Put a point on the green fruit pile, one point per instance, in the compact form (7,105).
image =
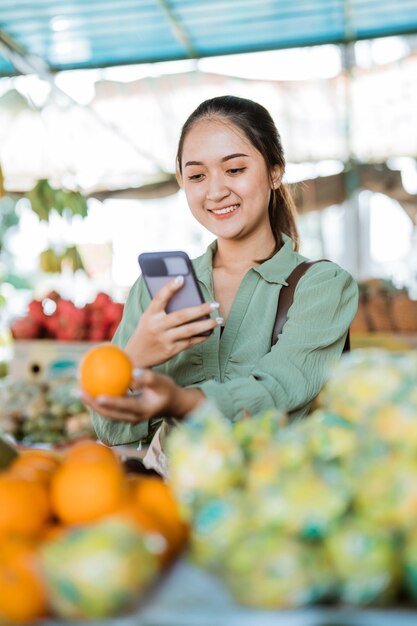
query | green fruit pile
(43,412)
(320,510)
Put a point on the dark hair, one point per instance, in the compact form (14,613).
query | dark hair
(258,126)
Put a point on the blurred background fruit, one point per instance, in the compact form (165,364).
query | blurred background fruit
(97,571)
(323,509)
(23,596)
(46,412)
(55,317)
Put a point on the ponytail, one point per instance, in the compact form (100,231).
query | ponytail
(283,216)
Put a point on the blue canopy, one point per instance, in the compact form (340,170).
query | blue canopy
(62,34)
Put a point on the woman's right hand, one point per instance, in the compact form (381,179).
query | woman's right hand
(159,335)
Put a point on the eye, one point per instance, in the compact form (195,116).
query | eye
(236,170)
(195,177)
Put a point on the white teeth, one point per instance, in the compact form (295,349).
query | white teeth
(228,209)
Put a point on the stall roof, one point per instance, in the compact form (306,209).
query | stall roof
(77,34)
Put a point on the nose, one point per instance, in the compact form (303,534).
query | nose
(217,190)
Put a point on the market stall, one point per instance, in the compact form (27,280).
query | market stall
(259,521)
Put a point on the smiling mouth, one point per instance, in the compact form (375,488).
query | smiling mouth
(225,211)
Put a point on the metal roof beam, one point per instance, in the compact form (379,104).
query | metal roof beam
(178,29)
(31,64)
(24,62)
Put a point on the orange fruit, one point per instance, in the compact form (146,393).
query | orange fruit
(35,465)
(153,498)
(106,370)
(90,451)
(24,506)
(22,594)
(148,525)
(53,531)
(83,492)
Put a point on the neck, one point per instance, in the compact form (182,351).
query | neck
(235,255)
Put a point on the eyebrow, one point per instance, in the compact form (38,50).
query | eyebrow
(223,160)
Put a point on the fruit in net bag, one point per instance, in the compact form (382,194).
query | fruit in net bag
(97,571)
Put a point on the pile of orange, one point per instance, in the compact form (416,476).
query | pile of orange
(43,494)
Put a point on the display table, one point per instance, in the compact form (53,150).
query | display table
(189,596)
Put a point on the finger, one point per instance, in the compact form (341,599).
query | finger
(193,329)
(191,313)
(189,343)
(126,408)
(136,384)
(160,300)
(143,377)
(107,403)
(119,416)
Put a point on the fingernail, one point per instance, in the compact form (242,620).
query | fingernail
(101,399)
(179,280)
(214,305)
(137,372)
(219,320)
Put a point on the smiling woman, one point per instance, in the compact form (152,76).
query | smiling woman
(230,163)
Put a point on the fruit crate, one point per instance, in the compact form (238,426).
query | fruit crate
(41,359)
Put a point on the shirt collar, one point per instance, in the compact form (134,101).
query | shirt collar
(274,270)
(279,267)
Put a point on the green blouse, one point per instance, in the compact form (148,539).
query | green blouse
(238,370)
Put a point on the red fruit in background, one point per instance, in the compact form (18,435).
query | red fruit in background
(67,309)
(113,313)
(25,328)
(53,295)
(96,317)
(58,318)
(36,312)
(51,325)
(97,334)
(101,300)
(68,323)
(112,330)
(70,332)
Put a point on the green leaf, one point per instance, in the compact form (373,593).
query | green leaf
(44,199)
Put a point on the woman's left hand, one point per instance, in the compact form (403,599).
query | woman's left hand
(153,395)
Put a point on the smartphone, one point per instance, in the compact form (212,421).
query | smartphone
(158,268)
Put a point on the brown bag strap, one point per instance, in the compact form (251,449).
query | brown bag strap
(286,298)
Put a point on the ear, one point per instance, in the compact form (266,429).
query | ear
(276,176)
(178,176)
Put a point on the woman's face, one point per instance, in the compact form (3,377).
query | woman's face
(226,180)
